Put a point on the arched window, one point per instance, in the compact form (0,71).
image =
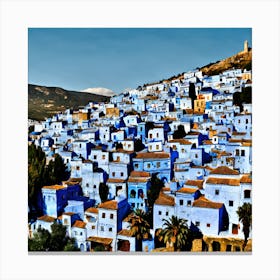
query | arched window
(140,193)
(132,194)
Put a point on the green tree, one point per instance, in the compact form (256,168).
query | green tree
(57,240)
(245,96)
(175,232)
(139,226)
(40,240)
(103,192)
(244,213)
(180,132)
(70,245)
(40,174)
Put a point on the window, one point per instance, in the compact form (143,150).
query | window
(158,164)
(148,165)
(81,233)
(181,202)
(95,157)
(237,153)
(197,224)
(101,228)
(103,215)
(78,168)
(110,229)
(132,194)
(111,216)
(157,135)
(166,213)
(247,121)
(151,136)
(159,212)
(113,174)
(75,232)
(65,221)
(94,186)
(189,203)
(217,192)
(103,156)
(243,153)
(196,155)
(157,147)
(136,165)
(92,227)
(247,194)
(121,174)
(129,145)
(230,203)
(80,145)
(208,225)
(238,121)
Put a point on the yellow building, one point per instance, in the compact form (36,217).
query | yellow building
(199,104)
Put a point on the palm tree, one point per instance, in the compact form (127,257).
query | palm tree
(175,232)
(244,213)
(139,226)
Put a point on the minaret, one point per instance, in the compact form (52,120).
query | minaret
(246,48)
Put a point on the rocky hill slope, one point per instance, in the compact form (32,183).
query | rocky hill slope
(44,101)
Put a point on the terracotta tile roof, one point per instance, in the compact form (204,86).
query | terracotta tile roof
(110,204)
(197,183)
(54,187)
(139,174)
(138,180)
(165,189)
(207,142)
(203,202)
(224,170)
(46,218)
(152,155)
(79,224)
(102,240)
(246,178)
(238,133)
(113,180)
(223,181)
(69,213)
(187,190)
(125,232)
(181,141)
(92,210)
(164,199)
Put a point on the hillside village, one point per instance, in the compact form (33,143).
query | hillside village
(187,132)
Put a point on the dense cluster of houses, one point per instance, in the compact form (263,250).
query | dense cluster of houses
(206,173)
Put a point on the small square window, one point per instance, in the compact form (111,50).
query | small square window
(92,227)
(230,203)
(95,157)
(103,215)
(103,156)
(101,228)
(159,212)
(208,225)
(110,229)
(166,213)
(113,174)
(111,216)
(81,233)
(189,203)
(181,202)
(217,192)
(121,174)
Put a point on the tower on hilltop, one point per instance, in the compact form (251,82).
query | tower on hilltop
(246,47)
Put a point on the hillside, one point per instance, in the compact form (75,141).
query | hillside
(46,101)
(242,60)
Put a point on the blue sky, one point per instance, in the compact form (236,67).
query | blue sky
(120,58)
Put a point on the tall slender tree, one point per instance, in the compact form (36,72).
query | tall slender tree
(176,232)
(244,213)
